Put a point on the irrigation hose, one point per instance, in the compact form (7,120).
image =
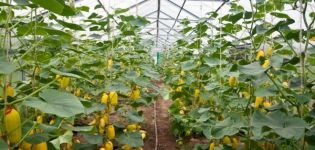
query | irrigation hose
(155,128)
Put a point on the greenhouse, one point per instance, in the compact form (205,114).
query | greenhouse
(157,75)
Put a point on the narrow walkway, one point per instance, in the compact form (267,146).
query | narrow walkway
(166,140)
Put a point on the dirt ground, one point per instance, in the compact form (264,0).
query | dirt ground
(166,141)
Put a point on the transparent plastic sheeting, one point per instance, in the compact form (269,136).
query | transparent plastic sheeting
(193,10)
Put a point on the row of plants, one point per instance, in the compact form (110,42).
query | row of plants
(251,92)
(72,85)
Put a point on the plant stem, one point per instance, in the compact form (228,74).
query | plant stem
(36,91)
(277,86)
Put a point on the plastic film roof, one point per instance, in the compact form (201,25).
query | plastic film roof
(165,21)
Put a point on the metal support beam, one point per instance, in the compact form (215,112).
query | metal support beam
(190,13)
(180,10)
(163,29)
(151,13)
(170,19)
(135,5)
(207,0)
(168,26)
(106,11)
(167,15)
(158,21)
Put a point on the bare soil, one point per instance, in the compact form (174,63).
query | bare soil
(166,140)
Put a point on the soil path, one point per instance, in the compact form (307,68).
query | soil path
(166,141)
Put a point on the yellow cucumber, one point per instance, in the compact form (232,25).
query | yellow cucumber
(40,146)
(12,125)
(113,97)
(109,145)
(111,132)
(104,99)
(132,127)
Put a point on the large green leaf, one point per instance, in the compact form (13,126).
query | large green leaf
(56,6)
(252,69)
(120,11)
(53,5)
(207,132)
(77,128)
(7,67)
(214,61)
(265,91)
(134,116)
(22,2)
(234,17)
(285,126)
(70,25)
(92,138)
(37,138)
(228,126)
(280,15)
(133,139)
(189,65)
(3,145)
(56,102)
(65,138)
(117,86)
(4,4)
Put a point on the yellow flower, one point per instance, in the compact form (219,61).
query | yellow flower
(179,89)
(10,91)
(87,96)
(246,94)
(211,146)
(39,119)
(197,93)
(181,82)
(285,84)
(182,73)
(226,140)
(269,51)
(58,77)
(260,53)
(135,94)
(77,92)
(64,82)
(110,63)
(232,81)
(266,63)
(235,143)
(143,134)
(267,104)
(258,101)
